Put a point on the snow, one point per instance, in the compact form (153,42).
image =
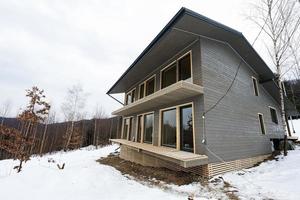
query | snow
(296,124)
(270,180)
(84,178)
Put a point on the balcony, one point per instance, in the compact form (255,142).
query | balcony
(178,91)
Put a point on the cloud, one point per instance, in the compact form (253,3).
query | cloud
(55,44)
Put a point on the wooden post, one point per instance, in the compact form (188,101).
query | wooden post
(285,145)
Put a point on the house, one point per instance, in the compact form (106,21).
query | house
(199,98)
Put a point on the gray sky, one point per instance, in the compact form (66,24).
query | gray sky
(55,44)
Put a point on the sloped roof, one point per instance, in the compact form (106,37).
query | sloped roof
(188,21)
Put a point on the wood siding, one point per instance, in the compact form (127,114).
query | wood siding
(232,127)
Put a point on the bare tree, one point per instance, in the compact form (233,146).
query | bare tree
(73,109)
(280,21)
(4,111)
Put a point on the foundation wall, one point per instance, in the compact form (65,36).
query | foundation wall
(205,171)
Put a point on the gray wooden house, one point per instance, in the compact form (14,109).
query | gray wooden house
(176,113)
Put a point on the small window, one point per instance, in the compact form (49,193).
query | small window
(274,115)
(184,65)
(126,128)
(150,84)
(168,76)
(130,97)
(262,124)
(142,91)
(255,86)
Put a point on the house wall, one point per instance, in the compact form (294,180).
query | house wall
(232,127)
(197,101)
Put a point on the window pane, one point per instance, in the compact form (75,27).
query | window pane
(262,125)
(186,129)
(169,128)
(130,135)
(125,128)
(132,96)
(169,76)
(274,115)
(255,86)
(142,89)
(150,86)
(148,128)
(139,128)
(184,68)
(128,99)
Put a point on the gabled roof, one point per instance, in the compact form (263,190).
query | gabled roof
(184,28)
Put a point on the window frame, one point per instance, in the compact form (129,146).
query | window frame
(130,92)
(263,123)
(167,68)
(273,108)
(255,86)
(154,78)
(129,127)
(148,113)
(161,126)
(177,68)
(177,107)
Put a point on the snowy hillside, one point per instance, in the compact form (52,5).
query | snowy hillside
(84,178)
(296,124)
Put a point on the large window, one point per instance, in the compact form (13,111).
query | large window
(261,123)
(169,128)
(181,69)
(150,86)
(184,68)
(173,129)
(273,115)
(255,86)
(168,76)
(148,127)
(186,129)
(139,128)
(127,128)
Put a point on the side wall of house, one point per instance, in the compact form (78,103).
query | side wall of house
(197,101)
(232,127)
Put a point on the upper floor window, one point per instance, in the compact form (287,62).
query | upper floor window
(184,67)
(142,91)
(181,69)
(130,97)
(273,115)
(168,76)
(255,86)
(150,86)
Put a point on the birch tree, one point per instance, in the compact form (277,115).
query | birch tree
(73,109)
(279,20)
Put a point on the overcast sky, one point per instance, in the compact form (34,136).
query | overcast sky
(55,44)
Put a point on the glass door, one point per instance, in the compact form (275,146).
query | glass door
(186,129)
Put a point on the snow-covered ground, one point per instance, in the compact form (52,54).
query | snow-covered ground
(270,180)
(84,178)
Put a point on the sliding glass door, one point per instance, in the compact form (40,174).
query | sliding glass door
(186,129)
(169,128)
(148,127)
(174,129)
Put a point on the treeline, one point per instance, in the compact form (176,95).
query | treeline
(292,88)
(50,138)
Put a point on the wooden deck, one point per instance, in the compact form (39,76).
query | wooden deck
(172,93)
(182,158)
